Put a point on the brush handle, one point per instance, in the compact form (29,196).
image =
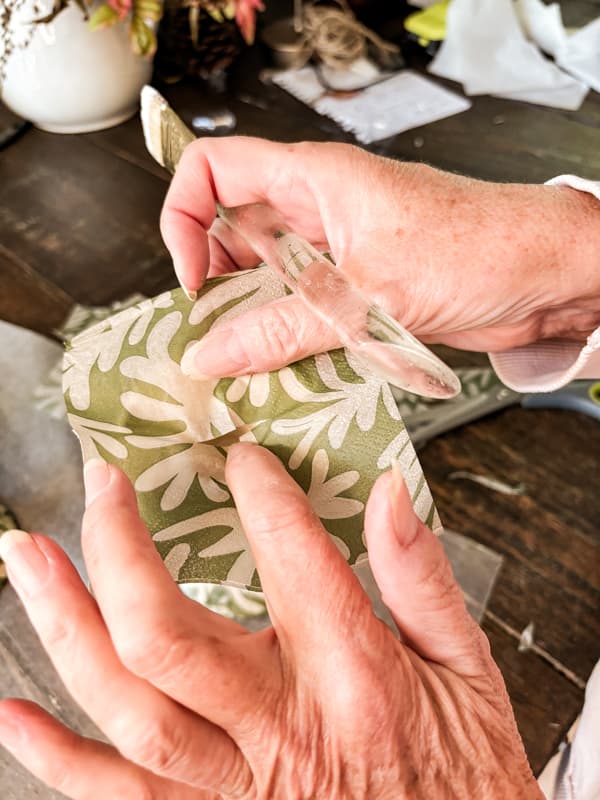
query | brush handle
(175,136)
(372,335)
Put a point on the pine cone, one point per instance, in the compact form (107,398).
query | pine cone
(177,57)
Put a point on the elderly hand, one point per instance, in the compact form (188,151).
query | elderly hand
(325,705)
(482,266)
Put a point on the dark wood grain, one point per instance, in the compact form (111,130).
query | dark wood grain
(79,222)
(509,141)
(549,537)
(29,299)
(83,219)
(542,716)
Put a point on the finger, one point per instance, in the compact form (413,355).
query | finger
(263,339)
(310,589)
(228,250)
(221,262)
(147,727)
(204,661)
(190,206)
(417,584)
(232,171)
(80,768)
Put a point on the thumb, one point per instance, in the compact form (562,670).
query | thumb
(264,339)
(417,584)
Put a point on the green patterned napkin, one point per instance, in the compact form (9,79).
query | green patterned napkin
(8,522)
(333,425)
(48,395)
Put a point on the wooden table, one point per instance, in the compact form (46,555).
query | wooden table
(79,223)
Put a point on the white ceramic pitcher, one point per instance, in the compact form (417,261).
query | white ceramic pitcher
(69,79)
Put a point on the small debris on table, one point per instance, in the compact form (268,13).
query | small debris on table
(495,484)
(527,639)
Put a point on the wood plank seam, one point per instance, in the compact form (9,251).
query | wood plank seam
(42,283)
(124,155)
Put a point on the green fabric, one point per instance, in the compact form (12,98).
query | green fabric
(8,522)
(229,601)
(333,425)
(48,395)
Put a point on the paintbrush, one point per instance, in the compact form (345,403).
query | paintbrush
(366,330)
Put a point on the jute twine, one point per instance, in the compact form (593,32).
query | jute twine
(338,38)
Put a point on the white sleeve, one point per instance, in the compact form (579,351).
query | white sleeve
(579,773)
(549,364)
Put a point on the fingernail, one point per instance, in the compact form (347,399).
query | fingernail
(217,355)
(189,367)
(191,294)
(397,480)
(11,733)
(26,565)
(96,477)
(405,521)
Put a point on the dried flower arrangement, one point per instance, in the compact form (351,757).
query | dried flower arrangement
(200,38)
(141,16)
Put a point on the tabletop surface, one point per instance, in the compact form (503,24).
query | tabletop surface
(79,223)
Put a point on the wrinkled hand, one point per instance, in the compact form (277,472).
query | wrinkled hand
(482,266)
(325,705)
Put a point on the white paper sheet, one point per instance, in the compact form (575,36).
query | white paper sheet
(405,101)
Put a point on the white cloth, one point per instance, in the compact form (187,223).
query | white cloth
(579,772)
(493,47)
(577,53)
(547,365)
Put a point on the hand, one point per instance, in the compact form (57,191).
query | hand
(475,265)
(326,705)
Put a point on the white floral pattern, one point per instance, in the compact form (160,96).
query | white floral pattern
(92,433)
(332,423)
(394,450)
(229,601)
(241,573)
(255,288)
(194,405)
(101,346)
(147,309)
(324,494)
(258,388)
(344,403)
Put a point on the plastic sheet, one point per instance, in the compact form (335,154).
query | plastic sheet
(475,567)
